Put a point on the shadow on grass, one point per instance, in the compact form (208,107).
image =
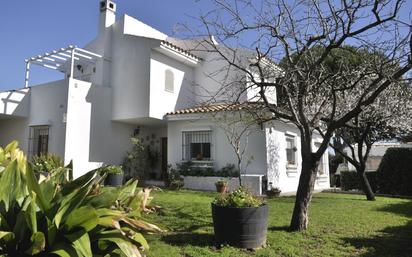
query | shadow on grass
(193,239)
(392,241)
(278,228)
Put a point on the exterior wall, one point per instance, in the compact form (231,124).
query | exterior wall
(130,74)
(162,101)
(253,183)
(279,173)
(221,151)
(92,138)
(47,106)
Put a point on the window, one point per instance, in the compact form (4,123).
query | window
(320,169)
(196,145)
(38,140)
(290,150)
(169,81)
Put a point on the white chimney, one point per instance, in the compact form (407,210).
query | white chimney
(107,14)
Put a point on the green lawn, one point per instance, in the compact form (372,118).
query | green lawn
(340,225)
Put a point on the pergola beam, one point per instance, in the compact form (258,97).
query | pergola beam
(57,58)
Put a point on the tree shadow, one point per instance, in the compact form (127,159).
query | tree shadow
(189,238)
(392,241)
(278,228)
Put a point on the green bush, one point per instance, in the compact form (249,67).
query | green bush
(111,169)
(240,198)
(76,218)
(350,180)
(46,162)
(395,172)
(189,169)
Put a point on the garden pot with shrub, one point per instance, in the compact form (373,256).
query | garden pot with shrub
(240,219)
(114,177)
(221,186)
(273,192)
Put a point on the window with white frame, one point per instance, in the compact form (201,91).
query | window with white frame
(38,140)
(196,145)
(169,81)
(291,150)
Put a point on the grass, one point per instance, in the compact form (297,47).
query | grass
(340,225)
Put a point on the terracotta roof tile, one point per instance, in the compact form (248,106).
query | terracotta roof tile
(215,108)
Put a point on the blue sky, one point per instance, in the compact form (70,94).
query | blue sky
(29,28)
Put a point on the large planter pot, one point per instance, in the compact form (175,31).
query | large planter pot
(240,227)
(221,188)
(114,180)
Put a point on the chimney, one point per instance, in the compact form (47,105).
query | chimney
(107,14)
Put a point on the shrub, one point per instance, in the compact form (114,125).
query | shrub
(395,172)
(240,198)
(349,180)
(77,218)
(190,169)
(174,180)
(46,162)
(111,169)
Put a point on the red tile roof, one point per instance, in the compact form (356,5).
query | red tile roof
(215,108)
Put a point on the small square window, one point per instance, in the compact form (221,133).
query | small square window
(111,5)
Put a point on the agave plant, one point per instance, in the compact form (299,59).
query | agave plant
(75,218)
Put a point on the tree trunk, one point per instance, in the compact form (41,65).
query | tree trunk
(300,216)
(366,187)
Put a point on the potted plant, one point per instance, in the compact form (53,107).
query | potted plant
(221,186)
(114,175)
(240,219)
(273,192)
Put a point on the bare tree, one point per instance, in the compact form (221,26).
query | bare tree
(388,118)
(301,37)
(238,125)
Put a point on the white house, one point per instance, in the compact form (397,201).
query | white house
(133,80)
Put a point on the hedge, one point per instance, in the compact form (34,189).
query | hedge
(395,172)
(349,180)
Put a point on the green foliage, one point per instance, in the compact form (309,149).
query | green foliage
(47,162)
(395,172)
(221,183)
(174,180)
(189,169)
(111,169)
(75,218)
(345,225)
(240,198)
(136,162)
(350,180)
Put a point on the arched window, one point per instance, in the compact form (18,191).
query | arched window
(169,81)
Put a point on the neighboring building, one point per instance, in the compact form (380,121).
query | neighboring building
(376,154)
(122,84)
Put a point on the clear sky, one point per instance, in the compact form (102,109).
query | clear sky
(29,28)
(32,27)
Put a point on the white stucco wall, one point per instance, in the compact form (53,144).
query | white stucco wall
(221,151)
(46,106)
(161,100)
(92,138)
(279,173)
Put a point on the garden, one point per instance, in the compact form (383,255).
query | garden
(341,225)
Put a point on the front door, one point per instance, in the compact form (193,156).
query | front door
(164,158)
